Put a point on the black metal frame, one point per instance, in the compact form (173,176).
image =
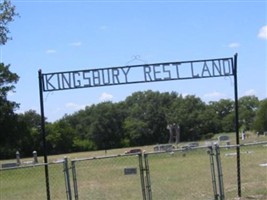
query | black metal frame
(126,74)
(151,73)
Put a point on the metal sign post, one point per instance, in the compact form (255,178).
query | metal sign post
(237,127)
(43,134)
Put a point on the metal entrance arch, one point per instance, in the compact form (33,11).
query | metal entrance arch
(122,75)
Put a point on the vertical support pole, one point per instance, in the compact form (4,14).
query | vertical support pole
(212,169)
(219,169)
(148,182)
(74,177)
(67,178)
(237,128)
(141,168)
(43,134)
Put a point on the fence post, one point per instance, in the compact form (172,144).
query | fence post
(212,168)
(142,170)
(219,169)
(67,178)
(74,177)
(148,182)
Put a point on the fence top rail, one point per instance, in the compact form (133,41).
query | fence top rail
(181,149)
(24,166)
(243,145)
(254,143)
(104,157)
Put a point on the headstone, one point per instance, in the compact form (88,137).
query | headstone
(156,148)
(243,135)
(18,158)
(223,138)
(35,159)
(8,165)
(130,171)
(193,144)
(163,147)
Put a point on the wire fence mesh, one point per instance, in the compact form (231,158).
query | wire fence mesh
(253,164)
(115,177)
(23,183)
(182,174)
(176,175)
(57,181)
(28,182)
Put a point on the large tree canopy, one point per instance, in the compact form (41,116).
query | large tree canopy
(260,123)
(9,133)
(9,126)
(142,119)
(7,15)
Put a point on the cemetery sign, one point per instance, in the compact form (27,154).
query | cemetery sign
(143,73)
(137,74)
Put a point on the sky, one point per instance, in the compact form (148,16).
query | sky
(68,35)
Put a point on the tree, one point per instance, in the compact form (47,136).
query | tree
(7,15)
(8,119)
(146,121)
(7,78)
(224,110)
(248,106)
(60,137)
(260,123)
(188,114)
(30,131)
(106,128)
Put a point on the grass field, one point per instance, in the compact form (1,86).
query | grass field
(172,176)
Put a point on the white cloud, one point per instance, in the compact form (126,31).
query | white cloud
(105,96)
(214,96)
(50,51)
(250,92)
(234,45)
(263,33)
(76,44)
(184,95)
(74,106)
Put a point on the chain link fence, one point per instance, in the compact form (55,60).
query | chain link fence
(114,177)
(181,174)
(28,182)
(23,183)
(176,175)
(253,163)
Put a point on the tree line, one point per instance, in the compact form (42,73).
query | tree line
(141,119)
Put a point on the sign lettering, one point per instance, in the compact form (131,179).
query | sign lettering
(137,74)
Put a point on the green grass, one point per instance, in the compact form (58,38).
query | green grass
(173,176)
